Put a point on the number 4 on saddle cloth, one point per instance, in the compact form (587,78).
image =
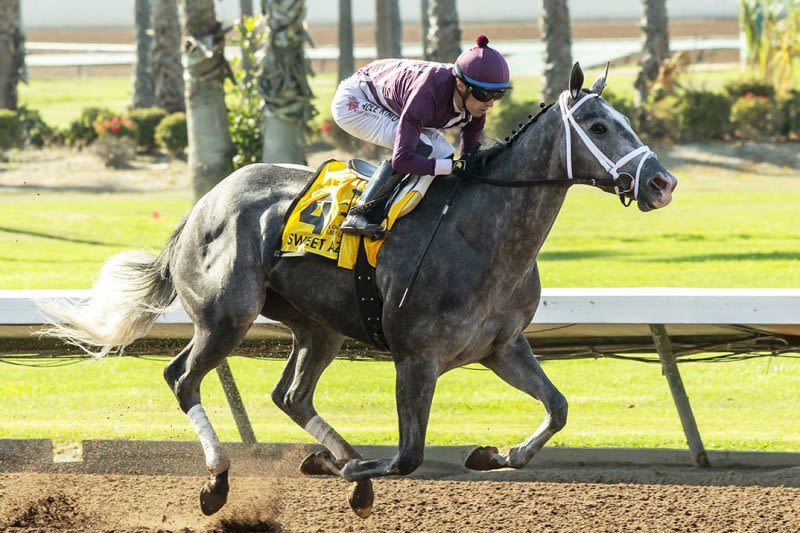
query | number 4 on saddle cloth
(312,224)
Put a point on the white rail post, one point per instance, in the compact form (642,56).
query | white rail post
(670,367)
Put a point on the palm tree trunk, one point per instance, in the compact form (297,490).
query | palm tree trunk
(143,92)
(655,45)
(210,147)
(346,59)
(444,34)
(423,9)
(388,29)
(12,52)
(556,33)
(166,57)
(284,84)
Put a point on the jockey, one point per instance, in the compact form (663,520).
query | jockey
(404,104)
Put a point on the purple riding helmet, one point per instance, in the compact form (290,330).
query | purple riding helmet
(484,68)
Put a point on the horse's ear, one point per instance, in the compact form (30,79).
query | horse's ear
(575,80)
(600,83)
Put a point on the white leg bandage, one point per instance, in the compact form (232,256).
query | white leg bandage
(326,435)
(217,460)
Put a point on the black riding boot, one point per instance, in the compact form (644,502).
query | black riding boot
(363,218)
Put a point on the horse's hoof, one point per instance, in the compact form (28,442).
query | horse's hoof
(317,464)
(214,494)
(485,458)
(361,498)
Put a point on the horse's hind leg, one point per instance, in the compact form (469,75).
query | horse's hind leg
(314,348)
(516,365)
(221,323)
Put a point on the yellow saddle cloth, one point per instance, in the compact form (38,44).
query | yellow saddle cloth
(312,225)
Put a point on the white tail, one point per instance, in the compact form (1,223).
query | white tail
(134,288)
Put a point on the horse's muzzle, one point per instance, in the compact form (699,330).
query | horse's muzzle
(660,190)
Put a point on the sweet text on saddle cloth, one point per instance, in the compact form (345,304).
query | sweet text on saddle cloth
(312,225)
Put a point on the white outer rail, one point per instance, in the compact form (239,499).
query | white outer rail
(557,306)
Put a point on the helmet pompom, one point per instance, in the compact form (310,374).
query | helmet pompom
(481,40)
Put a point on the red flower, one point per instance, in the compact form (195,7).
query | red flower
(748,95)
(326,127)
(115,128)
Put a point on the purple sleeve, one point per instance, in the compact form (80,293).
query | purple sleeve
(415,114)
(471,135)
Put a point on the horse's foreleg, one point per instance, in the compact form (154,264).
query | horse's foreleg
(416,382)
(314,348)
(516,365)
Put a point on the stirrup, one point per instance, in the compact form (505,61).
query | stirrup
(358,224)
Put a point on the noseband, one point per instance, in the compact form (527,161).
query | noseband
(567,114)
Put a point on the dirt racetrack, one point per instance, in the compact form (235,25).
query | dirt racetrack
(584,499)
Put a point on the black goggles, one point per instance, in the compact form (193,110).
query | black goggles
(485,95)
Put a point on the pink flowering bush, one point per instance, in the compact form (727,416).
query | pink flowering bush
(116,126)
(116,141)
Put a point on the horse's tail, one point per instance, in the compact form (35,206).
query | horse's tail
(134,288)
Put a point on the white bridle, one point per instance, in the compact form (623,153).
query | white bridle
(610,166)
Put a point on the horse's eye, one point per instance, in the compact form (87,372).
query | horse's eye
(598,128)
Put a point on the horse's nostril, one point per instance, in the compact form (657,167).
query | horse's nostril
(661,183)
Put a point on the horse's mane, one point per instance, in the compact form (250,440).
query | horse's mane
(485,155)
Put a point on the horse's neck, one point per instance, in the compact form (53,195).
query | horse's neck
(518,220)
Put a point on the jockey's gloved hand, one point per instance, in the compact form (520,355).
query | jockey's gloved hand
(467,166)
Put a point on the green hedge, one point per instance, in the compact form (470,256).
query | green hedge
(147,120)
(172,135)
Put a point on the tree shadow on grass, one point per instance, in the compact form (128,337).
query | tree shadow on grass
(566,255)
(28,233)
(102,188)
(743,256)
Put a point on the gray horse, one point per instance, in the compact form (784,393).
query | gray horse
(478,288)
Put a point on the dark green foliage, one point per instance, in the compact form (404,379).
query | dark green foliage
(692,115)
(705,115)
(9,129)
(172,135)
(34,131)
(756,118)
(146,120)
(81,132)
(738,88)
(243,97)
(790,109)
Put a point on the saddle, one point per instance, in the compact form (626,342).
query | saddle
(312,224)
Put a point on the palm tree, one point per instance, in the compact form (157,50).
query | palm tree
(142,76)
(210,147)
(12,52)
(388,28)
(284,84)
(165,61)
(557,36)
(655,45)
(444,34)
(423,9)
(346,59)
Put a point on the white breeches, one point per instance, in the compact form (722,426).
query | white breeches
(356,113)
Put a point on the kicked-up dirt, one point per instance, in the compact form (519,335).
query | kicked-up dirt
(32,501)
